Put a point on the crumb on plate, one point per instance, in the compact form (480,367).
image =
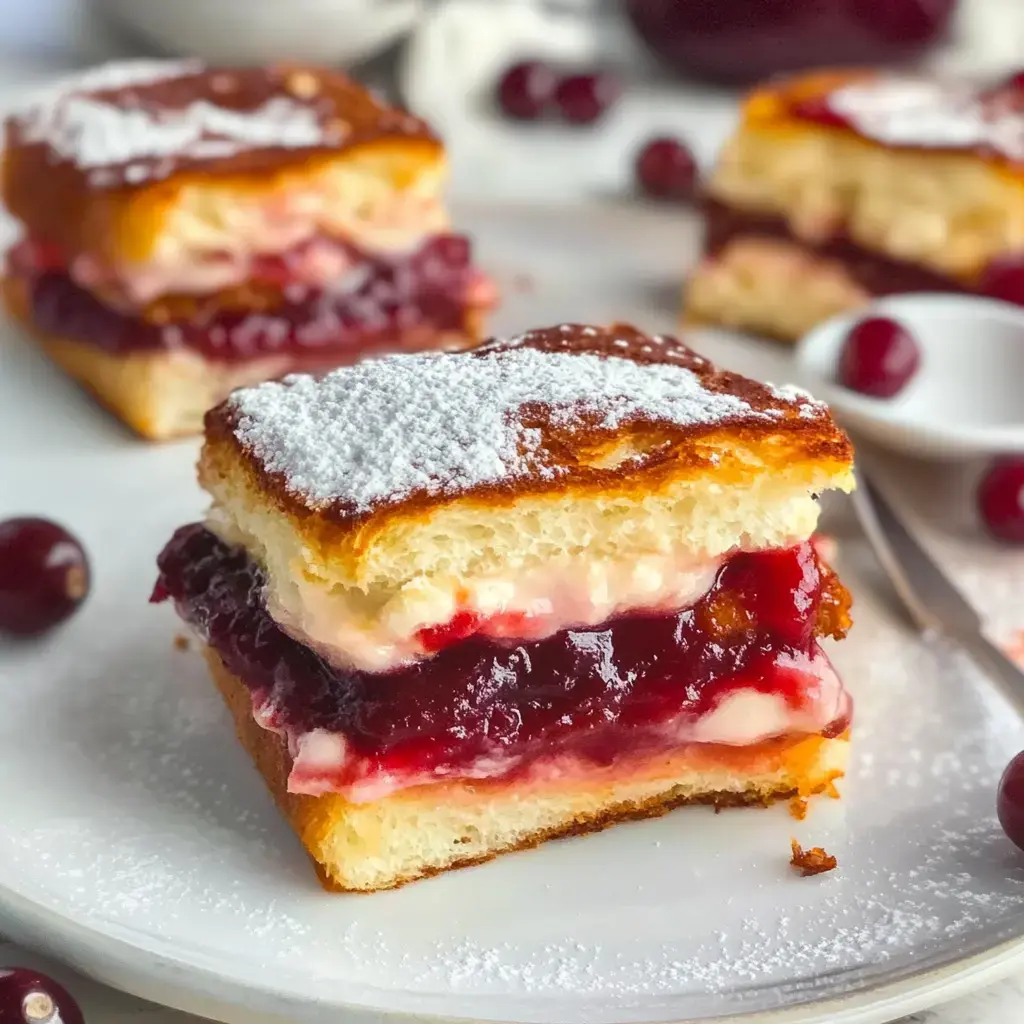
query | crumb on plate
(182,642)
(811,862)
(798,808)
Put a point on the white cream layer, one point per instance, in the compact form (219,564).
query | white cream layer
(351,630)
(745,717)
(211,242)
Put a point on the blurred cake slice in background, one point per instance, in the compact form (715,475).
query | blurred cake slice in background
(187,230)
(838,187)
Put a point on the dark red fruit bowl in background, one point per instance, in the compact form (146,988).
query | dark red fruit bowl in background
(741,41)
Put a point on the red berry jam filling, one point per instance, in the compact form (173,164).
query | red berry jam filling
(593,694)
(876,274)
(383,299)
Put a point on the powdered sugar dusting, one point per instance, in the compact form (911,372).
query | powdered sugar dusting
(89,123)
(933,114)
(430,423)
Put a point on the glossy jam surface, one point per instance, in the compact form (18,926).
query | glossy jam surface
(592,692)
(876,274)
(427,289)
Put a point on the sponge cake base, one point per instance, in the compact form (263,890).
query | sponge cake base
(165,394)
(424,830)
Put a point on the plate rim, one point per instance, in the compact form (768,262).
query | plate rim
(115,961)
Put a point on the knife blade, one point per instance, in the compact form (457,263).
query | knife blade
(933,602)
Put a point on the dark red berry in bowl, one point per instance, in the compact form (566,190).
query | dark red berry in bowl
(1001,500)
(1003,279)
(879,358)
(44,575)
(583,99)
(526,89)
(28,997)
(1010,801)
(665,169)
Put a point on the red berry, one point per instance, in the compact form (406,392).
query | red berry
(526,89)
(879,358)
(1010,801)
(583,99)
(1001,500)
(1015,81)
(28,997)
(1003,279)
(666,169)
(44,575)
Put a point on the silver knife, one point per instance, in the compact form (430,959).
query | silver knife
(933,603)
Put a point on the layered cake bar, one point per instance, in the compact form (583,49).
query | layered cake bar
(187,230)
(840,187)
(460,604)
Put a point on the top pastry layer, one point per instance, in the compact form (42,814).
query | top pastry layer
(105,162)
(547,482)
(916,169)
(564,406)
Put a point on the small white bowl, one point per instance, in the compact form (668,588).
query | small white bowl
(967,397)
(260,31)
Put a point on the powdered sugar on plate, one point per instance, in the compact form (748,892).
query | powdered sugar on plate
(434,423)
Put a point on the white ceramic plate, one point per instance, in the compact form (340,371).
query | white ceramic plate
(139,843)
(965,398)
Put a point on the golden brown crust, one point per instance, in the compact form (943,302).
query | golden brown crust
(814,861)
(117,208)
(162,395)
(588,457)
(315,818)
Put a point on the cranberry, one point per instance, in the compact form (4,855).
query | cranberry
(459,627)
(44,575)
(1001,500)
(879,358)
(1010,801)
(1003,279)
(665,169)
(526,89)
(28,997)
(1015,81)
(583,99)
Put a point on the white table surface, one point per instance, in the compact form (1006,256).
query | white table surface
(39,37)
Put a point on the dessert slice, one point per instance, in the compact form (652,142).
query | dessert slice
(463,603)
(840,187)
(187,230)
